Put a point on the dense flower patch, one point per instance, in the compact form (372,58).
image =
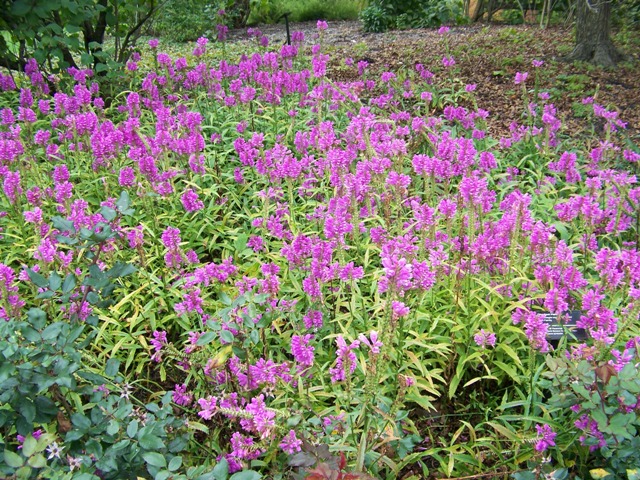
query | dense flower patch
(316,263)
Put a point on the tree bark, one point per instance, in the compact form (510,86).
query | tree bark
(593,43)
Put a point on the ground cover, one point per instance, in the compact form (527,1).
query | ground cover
(266,260)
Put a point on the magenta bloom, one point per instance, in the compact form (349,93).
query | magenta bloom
(548,437)
(291,444)
(127,177)
(372,341)
(301,350)
(181,397)
(448,62)
(313,319)
(223,31)
(256,243)
(346,360)
(11,185)
(190,201)
(521,77)
(158,341)
(399,309)
(207,407)
(171,238)
(484,339)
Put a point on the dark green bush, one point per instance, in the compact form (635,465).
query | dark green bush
(375,18)
(270,11)
(47,384)
(185,20)
(627,14)
(61,34)
(327,10)
(382,15)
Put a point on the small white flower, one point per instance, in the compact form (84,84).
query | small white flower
(126,391)
(54,450)
(74,462)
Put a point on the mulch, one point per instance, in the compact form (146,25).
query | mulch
(488,56)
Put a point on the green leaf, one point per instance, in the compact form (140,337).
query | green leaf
(52,331)
(113,427)
(73,29)
(108,213)
(151,442)
(221,470)
(226,336)
(27,409)
(55,281)
(224,298)
(86,59)
(246,475)
(600,417)
(633,474)
(20,8)
(63,225)
(154,459)
(525,475)
(29,446)
(241,242)
(175,464)
(123,202)
(599,473)
(38,279)
(121,270)
(112,367)
(37,461)
(618,425)
(69,283)
(13,459)
(132,428)
(80,421)
(205,339)
(93,298)
(37,317)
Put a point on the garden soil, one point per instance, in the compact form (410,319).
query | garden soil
(489,57)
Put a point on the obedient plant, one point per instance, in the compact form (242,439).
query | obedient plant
(317,264)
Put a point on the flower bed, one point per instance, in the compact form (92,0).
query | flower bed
(323,284)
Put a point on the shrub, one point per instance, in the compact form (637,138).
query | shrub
(376,18)
(60,414)
(181,21)
(381,15)
(66,34)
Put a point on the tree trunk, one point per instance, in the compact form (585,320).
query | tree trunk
(593,43)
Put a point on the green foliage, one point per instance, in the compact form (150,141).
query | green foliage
(267,11)
(603,402)
(47,383)
(626,14)
(185,20)
(432,14)
(70,33)
(382,15)
(327,10)
(376,18)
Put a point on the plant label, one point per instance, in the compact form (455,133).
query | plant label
(560,326)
